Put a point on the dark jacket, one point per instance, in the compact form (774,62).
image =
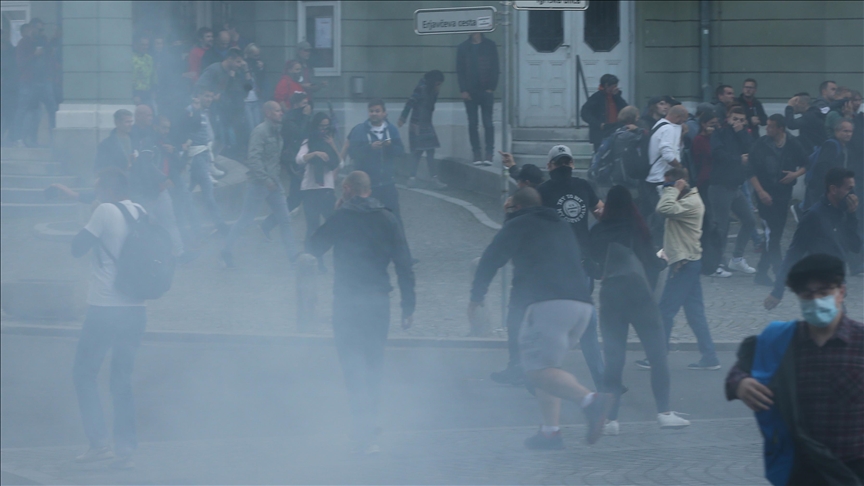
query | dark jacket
(594,114)
(727,146)
(366,237)
(720,109)
(546,260)
(823,229)
(477,66)
(753,108)
(111,153)
(572,198)
(833,154)
(380,164)
(295,129)
(421,106)
(768,167)
(212,56)
(810,126)
(147,175)
(623,232)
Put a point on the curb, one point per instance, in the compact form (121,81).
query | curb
(191,337)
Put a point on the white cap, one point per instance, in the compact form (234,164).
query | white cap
(558,151)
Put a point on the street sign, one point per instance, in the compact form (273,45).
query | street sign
(456,20)
(551,4)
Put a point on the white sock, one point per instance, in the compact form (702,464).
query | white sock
(549,429)
(588,400)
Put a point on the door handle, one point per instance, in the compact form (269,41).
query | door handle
(569,50)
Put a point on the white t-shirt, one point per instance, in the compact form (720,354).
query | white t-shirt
(108,224)
(379,131)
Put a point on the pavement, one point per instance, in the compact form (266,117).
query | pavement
(274,414)
(258,297)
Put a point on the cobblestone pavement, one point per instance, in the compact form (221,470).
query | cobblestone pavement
(712,452)
(258,296)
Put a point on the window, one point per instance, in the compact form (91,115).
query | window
(14,15)
(603,25)
(545,29)
(319,24)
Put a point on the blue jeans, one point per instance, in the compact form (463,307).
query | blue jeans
(184,210)
(199,175)
(30,95)
(256,193)
(684,289)
(118,329)
(253,114)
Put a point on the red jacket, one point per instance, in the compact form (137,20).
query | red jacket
(285,89)
(195,56)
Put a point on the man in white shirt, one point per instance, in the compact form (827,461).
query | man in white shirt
(664,153)
(114,322)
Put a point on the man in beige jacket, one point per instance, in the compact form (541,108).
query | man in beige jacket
(683,209)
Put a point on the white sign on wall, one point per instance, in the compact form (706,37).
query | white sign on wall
(456,20)
(551,4)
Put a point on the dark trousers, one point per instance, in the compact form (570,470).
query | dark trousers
(430,162)
(30,96)
(775,217)
(623,303)
(388,195)
(724,201)
(648,199)
(484,101)
(807,475)
(684,289)
(318,205)
(118,329)
(360,326)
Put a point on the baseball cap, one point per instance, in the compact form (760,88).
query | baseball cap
(304,46)
(530,173)
(560,151)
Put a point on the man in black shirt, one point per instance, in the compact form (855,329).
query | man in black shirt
(756,116)
(776,162)
(477,74)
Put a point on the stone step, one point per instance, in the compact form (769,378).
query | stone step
(542,147)
(557,134)
(541,160)
(50,211)
(36,181)
(29,168)
(26,195)
(26,154)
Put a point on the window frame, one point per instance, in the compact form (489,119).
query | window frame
(16,6)
(336,70)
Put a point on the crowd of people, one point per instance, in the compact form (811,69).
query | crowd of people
(676,180)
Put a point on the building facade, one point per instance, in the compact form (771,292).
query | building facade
(368,49)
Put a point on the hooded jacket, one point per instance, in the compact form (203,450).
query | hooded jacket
(366,237)
(572,198)
(380,164)
(547,263)
(810,126)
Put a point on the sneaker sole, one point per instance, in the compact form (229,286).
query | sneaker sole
(674,427)
(704,368)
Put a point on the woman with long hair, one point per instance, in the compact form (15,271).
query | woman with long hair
(626,298)
(320,160)
(421,134)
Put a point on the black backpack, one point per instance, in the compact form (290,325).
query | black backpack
(637,164)
(145,267)
(627,153)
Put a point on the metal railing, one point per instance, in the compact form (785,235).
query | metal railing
(580,82)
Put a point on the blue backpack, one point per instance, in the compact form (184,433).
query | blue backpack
(778,449)
(814,158)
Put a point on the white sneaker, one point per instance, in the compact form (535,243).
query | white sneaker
(671,420)
(740,265)
(95,455)
(412,182)
(611,427)
(721,273)
(487,163)
(216,172)
(478,163)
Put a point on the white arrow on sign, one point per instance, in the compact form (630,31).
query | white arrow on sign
(456,20)
(551,4)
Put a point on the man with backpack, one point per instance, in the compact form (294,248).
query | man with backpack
(117,314)
(600,112)
(803,378)
(832,153)
(662,153)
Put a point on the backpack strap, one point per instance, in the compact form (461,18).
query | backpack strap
(653,131)
(129,220)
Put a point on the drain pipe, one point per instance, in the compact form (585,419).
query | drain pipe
(705,49)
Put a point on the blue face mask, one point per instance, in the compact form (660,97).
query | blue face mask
(819,312)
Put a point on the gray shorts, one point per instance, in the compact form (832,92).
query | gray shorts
(549,329)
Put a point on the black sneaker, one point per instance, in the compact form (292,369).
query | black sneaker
(512,375)
(228,258)
(763,279)
(643,363)
(541,441)
(705,365)
(595,415)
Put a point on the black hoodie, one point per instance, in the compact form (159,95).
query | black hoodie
(572,198)
(366,237)
(547,264)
